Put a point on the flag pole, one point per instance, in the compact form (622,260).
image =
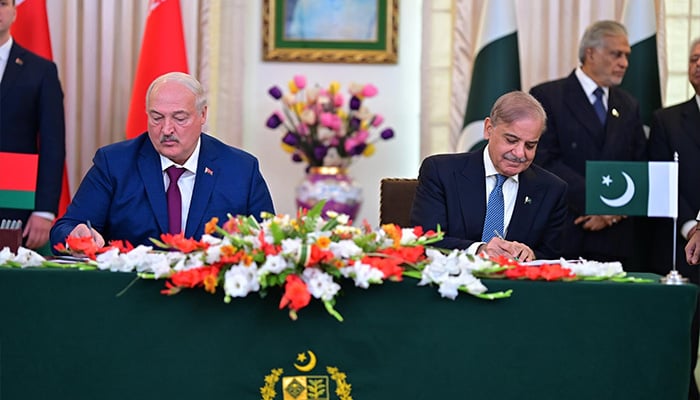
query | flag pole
(674,277)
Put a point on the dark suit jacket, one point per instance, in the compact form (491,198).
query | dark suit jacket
(677,129)
(575,135)
(451,193)
(123,195)
(32,121)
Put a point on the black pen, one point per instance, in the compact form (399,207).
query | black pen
(501,237)
(92,232)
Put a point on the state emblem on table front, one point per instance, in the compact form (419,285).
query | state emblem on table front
(306,387)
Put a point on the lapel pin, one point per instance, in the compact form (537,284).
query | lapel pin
(528,200)
(19,61)
(208,171)
(615,113)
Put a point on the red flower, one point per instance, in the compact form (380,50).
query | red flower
(85,245)
(179,242)
(296,294)
(124,246)
(388,265)
(406,254)
(194,277)
(318,256)
(554,272)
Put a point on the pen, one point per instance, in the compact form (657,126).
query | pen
(501,237)
(92,233)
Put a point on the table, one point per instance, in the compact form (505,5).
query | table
(65,334)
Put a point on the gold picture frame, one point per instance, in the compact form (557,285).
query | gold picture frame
(295,32)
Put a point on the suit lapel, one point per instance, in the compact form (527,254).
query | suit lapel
(691,120)
(582,109)
(207,171)
(152,177)
(15,64)
(472,202)
(526,205)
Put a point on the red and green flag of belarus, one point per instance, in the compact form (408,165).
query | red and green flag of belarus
(632,188)
(18,180)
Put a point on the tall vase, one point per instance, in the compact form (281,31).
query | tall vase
(341,192)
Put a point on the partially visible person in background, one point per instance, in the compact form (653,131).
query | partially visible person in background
(32,120)
(676,129)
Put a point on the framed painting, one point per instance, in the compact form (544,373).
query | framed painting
(341,31)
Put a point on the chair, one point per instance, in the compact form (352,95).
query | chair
(11,238)
(395,200)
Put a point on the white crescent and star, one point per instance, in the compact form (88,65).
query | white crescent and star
(626,196)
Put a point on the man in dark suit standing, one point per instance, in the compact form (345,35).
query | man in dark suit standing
(32,120)
(676,129)
(127,192)
(456,191)
(589,118)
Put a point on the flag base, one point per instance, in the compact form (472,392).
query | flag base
(674,278)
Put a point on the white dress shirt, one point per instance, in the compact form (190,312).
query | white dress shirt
(510,192)
(186,181)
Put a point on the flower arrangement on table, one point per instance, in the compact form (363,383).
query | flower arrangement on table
(319,131)
(309,256)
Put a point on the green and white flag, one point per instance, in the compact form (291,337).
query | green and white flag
(496,69)
(642,77)
(632,188)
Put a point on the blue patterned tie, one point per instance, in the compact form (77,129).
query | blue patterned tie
(494,211)
(598,105)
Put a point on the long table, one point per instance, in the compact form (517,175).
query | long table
(67,334)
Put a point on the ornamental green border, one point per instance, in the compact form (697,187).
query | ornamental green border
(381,51)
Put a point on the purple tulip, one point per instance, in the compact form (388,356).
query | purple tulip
(296,157)
(355,123)
(320,152)
(387,133)
(291,139)
(274,121)
(355,103)
(360,148)
(275,92)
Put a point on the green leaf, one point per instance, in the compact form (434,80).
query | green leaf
(329,307)
(494,295)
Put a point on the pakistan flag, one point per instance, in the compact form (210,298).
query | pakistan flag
(632,188)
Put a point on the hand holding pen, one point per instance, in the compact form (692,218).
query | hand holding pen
(511,249)
(86,229)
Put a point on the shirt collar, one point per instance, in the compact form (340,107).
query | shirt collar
(589,84)
(490,168)
(5,50)
(191,163)
(697,100)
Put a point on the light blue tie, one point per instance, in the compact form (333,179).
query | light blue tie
(494,211)
(598,105)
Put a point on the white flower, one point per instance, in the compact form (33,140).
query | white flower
(363,274)
(274,265)
(345,249)
(408,236)
(320,284)
(240,280)
(451,272)
(28,258)
(5,255)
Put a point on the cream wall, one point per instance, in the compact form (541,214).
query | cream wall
(398,100)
